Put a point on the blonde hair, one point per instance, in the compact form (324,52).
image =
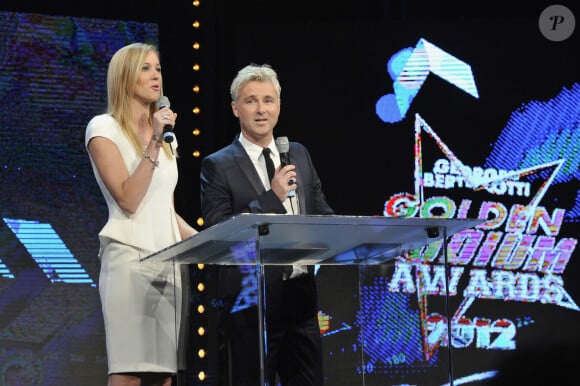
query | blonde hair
(262,73)
(122,76)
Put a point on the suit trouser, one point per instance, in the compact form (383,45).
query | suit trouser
(293,335)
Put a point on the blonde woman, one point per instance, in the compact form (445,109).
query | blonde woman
(137,174)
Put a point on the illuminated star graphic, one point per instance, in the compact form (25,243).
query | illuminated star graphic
(547,170)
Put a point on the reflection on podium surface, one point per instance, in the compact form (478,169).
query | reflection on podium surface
(311,239)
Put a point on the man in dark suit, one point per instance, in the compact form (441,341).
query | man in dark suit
(236,180)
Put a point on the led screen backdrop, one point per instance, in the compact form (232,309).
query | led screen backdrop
(453,119)
(52,82)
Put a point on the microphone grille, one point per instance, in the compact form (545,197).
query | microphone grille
(282,144)
(163,102)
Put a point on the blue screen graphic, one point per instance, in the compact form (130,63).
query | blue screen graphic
(52,81)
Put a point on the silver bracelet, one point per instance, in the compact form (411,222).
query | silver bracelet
(154,162)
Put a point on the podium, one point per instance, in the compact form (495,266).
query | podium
(273,239)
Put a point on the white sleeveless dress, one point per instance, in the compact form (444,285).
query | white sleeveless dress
(141,301)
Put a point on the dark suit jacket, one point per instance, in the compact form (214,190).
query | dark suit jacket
(230,185)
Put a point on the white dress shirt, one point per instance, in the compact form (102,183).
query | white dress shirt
(291,203)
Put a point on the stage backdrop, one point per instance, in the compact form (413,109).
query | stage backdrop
(445,118)
(52,81)
(451,119)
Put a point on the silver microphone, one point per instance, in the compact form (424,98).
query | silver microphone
(168,135)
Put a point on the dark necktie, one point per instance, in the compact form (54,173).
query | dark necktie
(270,167)
(269,163)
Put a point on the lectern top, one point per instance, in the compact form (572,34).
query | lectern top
(309,239)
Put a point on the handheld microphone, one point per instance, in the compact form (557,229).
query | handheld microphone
(168,135)
(283,147)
